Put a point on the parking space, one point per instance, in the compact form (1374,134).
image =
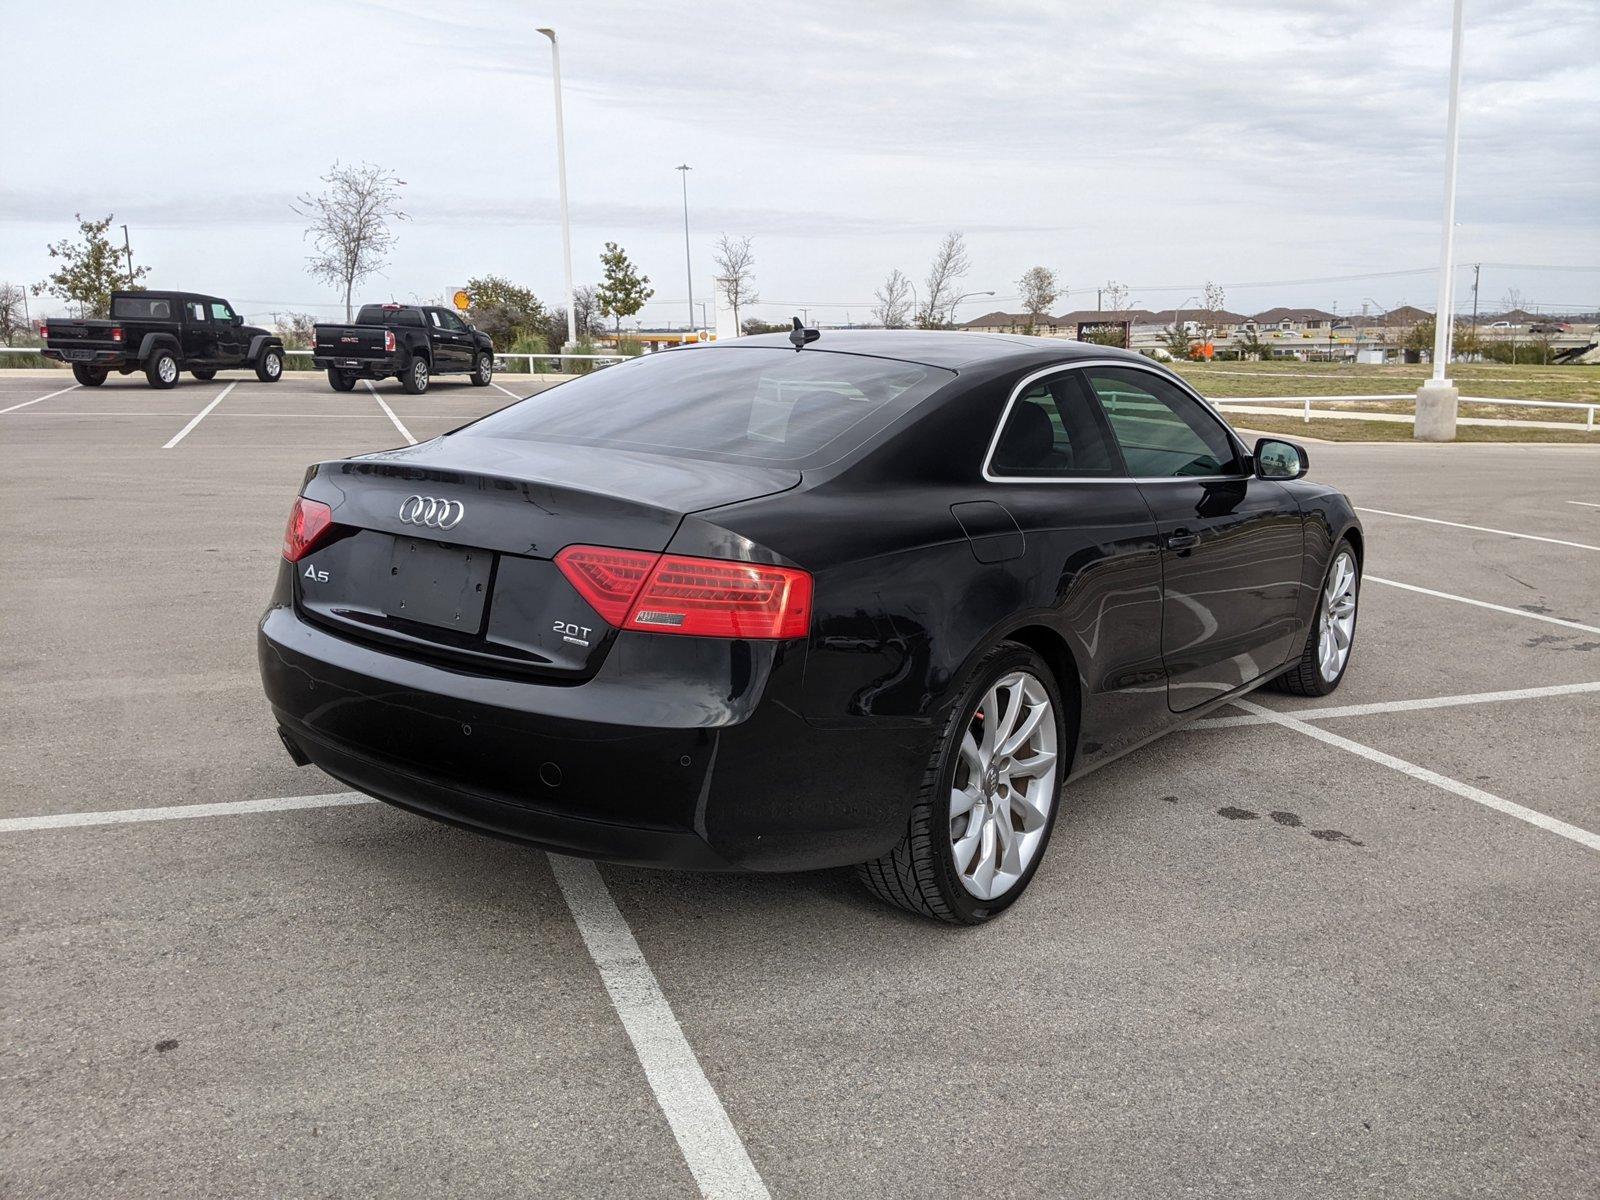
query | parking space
(1254,963)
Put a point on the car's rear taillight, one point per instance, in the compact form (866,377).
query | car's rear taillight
(116,334)
(309,522)
(44,330)
(313,339)
(701,597)
(388,341)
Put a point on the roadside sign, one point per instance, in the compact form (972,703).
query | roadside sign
(462,299)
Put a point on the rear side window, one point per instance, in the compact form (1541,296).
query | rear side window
(141,308)
(197,311)
(744,404)
(1163,431)
(1053,432)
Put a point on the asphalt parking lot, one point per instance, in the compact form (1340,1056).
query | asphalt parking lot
(1341,947)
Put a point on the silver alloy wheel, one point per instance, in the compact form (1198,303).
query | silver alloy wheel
(1004,786)
(274,365)
(1338,616)
(167,368)
(419,374)
(485,367)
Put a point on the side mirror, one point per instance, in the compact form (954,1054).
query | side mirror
(237,319)
(1277,459)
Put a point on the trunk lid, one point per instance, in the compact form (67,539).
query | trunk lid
(445,549)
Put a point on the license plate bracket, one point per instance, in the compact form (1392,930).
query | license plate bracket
(435,584)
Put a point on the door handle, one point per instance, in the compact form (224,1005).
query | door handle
(1182,539)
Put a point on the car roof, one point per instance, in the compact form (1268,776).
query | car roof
(948,348)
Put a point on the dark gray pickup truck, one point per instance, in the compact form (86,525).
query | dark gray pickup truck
(413,342)
(162,333)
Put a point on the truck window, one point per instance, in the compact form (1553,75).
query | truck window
(383,314)
(221,312)
(433,315)
(451,322)
(141,308)
(197,311)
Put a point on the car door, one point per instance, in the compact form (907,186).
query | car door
(1231,544)
(198,335)
(1087,551)
(459,340)
(230,347)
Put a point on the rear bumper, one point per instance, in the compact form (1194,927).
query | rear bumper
(87,357)
(655,761)
(360,367)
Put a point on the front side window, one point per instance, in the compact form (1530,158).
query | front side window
(451,321)
(744,404)
(1162,431)
(1053,432)
(221,312)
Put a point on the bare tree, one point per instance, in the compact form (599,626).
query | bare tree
(893,309)
(736,273)
(1040,290)
(1213,297)
(949,264)
(1115,297)
(13,297)
(586,309)
(1512,299)
(349,225)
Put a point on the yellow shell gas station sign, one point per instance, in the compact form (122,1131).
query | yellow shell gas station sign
(462,299)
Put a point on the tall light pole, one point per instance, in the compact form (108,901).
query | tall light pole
(964,296)
(561,184)
(1436,399)
(683,170)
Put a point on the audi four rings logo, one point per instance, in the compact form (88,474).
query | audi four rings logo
(432,512)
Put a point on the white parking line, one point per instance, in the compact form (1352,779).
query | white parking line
(1465,790)
(711,1146)
(1391,706)
(507,391)
(199,416)
(176,812)
(51,396)
(1585,503)
(389,412)
(1527,537)
(1515,612)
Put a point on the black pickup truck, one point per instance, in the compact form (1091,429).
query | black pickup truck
(411,341)
(162,333)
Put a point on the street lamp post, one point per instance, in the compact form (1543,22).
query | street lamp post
(688,266)
(1437,398)
(954,304)
(561,185)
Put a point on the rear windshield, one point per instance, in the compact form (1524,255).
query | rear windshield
(378,314)
(737,404)
(141,308)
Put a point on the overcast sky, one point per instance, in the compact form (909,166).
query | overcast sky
(1153,143)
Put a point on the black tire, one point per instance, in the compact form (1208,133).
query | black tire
(482,369)
(920,873)
(269,367)
(204,376)
(416,376)
(340,381)
(1306,677)
(88,376)
(162,369)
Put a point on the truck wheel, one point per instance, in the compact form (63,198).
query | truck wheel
(204,376)
(269,367)
(483,369)
(340,381)
(415,377)
(89,376)
(162,369)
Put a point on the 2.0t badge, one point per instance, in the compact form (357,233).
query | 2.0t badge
(432,512)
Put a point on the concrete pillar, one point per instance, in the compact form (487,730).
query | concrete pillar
(1436,411)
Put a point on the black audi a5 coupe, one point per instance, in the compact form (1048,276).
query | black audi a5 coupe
(781,603)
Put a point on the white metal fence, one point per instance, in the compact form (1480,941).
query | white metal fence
(1306,402)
